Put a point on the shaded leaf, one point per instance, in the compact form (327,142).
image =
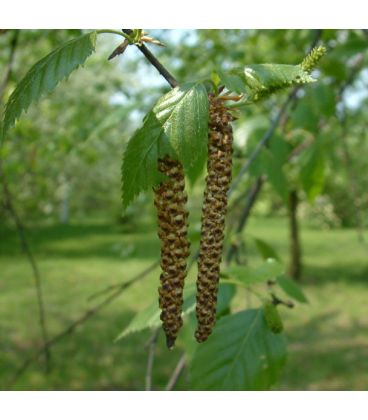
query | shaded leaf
(305,116)
(275,174)
(279,149)
(233,82)
(312,173)
(251,275)
(241,354)
(266,250)
(291,288)
(46,74)
(139,170)
(150,317)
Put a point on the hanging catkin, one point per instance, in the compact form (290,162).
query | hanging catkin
(218,180)
(170,200)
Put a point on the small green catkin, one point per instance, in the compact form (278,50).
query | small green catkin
(272,317)
(312,59)
(170,201)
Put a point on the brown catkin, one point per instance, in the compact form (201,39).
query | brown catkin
(170,201)
(220,139)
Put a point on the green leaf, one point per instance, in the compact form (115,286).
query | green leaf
(350,48)
(233,82)
(241,354)
(183,116)
(186,336)
(305,116)
(323,100)
(150,317)
(46,74)
(266,250)
(279,149)
(312,173)
(275,174)
(139,170)
(258,81)
(251,275)
(177,125)
(225,295)
(333,66)
(291,288)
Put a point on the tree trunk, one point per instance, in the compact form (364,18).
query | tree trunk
(295,266)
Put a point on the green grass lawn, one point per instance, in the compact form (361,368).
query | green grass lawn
(328,338)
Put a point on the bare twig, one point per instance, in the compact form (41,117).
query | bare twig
(176,373)
(8,203)
(151,355)
(154,61)
(277,301)
(264,140)
(72,327)
(36,274)
(115,286)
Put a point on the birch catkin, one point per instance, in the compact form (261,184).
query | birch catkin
(170,200)
(220,139)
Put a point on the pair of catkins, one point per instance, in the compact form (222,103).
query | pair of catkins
(170,202)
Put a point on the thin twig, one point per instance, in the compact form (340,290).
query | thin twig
(120,284)
(72,327)
(8,203)
(176,373)
(264,140)
(154,61)
(151,356)
(36,274)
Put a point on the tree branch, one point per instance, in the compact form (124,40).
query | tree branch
(8,203)
(115,286)
(264,140)
(176,373)
(81,320)
(154,61)
(151,355)
(36,274)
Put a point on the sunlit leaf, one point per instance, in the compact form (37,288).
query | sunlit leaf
(177,126)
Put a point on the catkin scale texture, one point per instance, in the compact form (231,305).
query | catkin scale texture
(219,164)
(170,202)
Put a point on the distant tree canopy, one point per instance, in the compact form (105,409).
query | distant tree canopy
(63,157)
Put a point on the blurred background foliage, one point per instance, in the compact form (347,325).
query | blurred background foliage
(62,163)
(63,157)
